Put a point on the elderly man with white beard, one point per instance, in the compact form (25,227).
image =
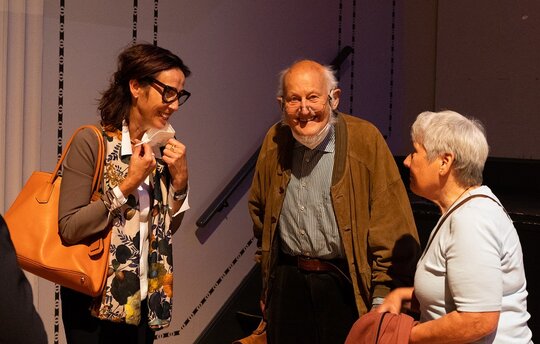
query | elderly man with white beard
(331,215)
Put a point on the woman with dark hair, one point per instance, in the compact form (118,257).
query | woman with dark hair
(143,198)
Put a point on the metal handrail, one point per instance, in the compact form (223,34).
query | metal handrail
(220,201)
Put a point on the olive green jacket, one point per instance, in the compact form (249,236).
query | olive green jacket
(370,203)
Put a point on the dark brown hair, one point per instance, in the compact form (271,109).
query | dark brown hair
(139,62)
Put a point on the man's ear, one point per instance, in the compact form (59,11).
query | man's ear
(334,98)
(280,102)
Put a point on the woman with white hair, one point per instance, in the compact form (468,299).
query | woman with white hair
(470,282)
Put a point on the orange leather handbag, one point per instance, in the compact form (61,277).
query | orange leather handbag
(32,220)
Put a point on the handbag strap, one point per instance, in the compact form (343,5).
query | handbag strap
(445,216)
(98,170)
(44,195)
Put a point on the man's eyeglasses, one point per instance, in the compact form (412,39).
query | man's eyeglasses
(314,102)
(169,94)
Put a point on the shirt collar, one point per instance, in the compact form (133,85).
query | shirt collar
(126,150)
(126,140)
(327,145)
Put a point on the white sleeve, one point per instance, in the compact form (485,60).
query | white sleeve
(185,203)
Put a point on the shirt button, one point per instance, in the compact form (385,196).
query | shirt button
(302,208)
(308,159)
(302,232)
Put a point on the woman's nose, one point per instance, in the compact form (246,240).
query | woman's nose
(407,161)
(174,105)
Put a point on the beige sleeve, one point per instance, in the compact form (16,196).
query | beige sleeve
(77,217)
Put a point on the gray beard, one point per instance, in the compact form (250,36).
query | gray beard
(312,141)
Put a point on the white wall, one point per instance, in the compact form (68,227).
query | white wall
(235,50)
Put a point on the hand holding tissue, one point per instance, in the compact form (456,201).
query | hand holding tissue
(157,137)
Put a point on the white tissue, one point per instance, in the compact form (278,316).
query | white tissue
(157,137)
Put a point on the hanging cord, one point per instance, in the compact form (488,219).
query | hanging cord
(156,7)
(134,26)
(59,140)
(391,93)
(340,22)
(353,41)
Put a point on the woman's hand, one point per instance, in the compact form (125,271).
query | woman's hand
(393,302)
(141,164)
(174,155)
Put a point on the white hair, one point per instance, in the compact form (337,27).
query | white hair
(328,74)
(450,132)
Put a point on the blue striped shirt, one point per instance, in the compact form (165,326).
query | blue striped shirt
(307,223)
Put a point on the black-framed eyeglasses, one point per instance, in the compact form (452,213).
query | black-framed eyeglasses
(169,94)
